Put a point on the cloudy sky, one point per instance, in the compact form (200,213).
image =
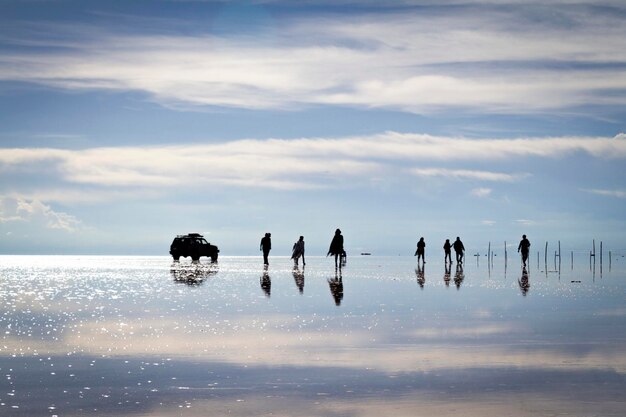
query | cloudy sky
(123,123)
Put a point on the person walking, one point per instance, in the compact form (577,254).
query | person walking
(336,246)
(459,250)
(421,249)
(524,247)
(298,251)
(266,246)
(446,250)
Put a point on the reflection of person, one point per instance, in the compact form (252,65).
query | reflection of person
(266,283)
(421,248)
(459,250)
(336,288)
(266,246)
(298,276)
(298,251)
(446,274)
(336,246)
(421,279)
(446,250)
(524,284)
(524,247)
(459,276)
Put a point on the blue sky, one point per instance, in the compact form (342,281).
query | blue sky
(123,124)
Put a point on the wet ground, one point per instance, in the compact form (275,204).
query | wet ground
(139,336)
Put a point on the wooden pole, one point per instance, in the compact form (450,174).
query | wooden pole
(546,256)
(572,260)
(600,254)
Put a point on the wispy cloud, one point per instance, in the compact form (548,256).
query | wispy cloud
(481,192)
(467,174)
(294,164)
(484,59)
(607,193)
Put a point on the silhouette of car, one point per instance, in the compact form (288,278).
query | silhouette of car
(193,245)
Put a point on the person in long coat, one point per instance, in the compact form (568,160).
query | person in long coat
(336,246)
(298,251)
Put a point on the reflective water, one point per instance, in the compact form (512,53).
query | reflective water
(142,336)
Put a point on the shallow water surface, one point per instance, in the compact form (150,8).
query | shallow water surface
(135,336)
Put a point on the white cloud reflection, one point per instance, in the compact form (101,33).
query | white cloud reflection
(277,341)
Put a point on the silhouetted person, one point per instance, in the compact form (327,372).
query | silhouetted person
(524,284)
(446,274)
(446,251)
(421,248)
(266,246)
(419,272)
(266,283)
(459,276)
(336,288)
(298,251)
(459,249)
(298,277)
(336,247)
(524,247)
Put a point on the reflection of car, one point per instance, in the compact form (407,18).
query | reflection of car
(194,245)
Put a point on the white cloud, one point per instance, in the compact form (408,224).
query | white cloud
(525,222)
(481,192)
(411,60)
(488,222)
(467,174)
(607,193)
(289,164)
(34,211)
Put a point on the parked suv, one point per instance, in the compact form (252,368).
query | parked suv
(194,245)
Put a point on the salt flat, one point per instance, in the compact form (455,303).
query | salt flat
(134,336)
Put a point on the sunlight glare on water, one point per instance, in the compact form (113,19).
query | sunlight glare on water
(144,336)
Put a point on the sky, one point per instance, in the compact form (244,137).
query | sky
(123,124)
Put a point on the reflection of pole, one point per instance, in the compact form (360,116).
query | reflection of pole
(537,259)
(559,256)
(505,255)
